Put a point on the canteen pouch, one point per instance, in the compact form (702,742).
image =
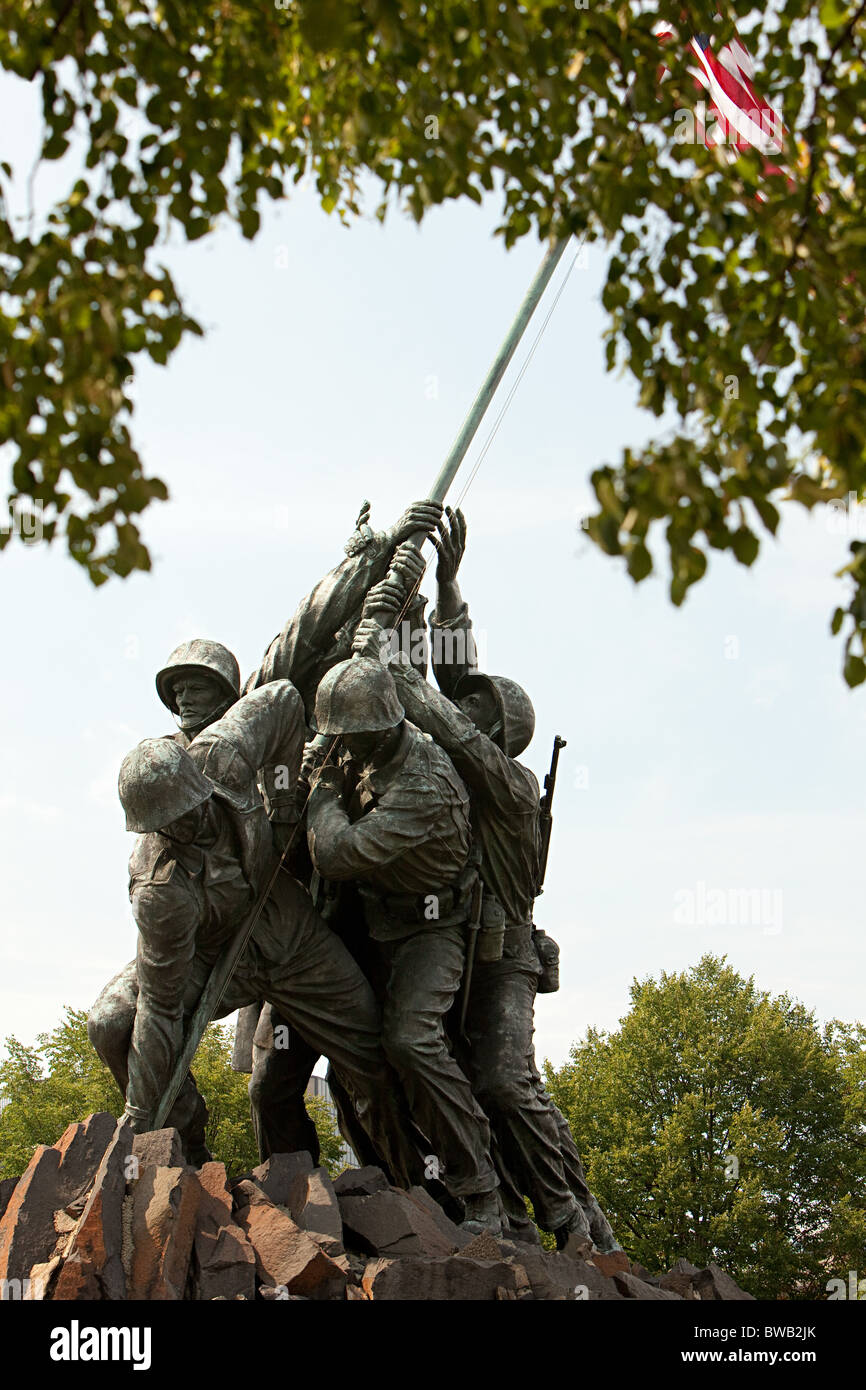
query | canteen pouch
(491,936)
(548,954)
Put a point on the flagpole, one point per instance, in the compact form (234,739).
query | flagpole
(478,409)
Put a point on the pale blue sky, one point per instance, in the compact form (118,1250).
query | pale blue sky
(337,366)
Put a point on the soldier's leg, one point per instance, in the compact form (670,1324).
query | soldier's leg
(311,979)
(575,1174)
(425,971)
(109,1028)
(282,1066)
(500,1028)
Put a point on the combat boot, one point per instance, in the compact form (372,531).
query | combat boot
(482,1212)
(574,1234)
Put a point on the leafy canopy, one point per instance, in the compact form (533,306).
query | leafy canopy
(735,297)
(720,1123)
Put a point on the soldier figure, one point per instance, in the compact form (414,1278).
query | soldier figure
(393,815)
(203,859)
(483,727)
(199,683)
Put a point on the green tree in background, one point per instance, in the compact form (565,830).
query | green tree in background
(331,1140)
(736,296)
(721,1123)
(44,1088)
(60,1080)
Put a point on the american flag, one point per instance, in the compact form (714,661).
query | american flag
(740,117)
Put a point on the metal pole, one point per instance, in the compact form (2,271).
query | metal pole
(448,471)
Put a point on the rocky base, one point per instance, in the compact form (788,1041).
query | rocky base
(106,1215)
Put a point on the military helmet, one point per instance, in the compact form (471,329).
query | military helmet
(516,714)
(159,782)
(357,696)
(204,657)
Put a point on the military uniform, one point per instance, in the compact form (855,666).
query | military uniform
(316,637)
(405,839)
(500,1059)
(189,901)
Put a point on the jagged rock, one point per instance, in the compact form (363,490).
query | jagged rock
(27,1234)
(392,1223)
(313,1205)
(714,1283)
(616,1262)
(224,1264)
(632,1287)
(285,1255)
(159,1148)
(420,1279)
(164,1215)
(361,1182)
(93,1264)
(456,1238)
(7,1187)
(559,1278)
(55,1178)
(680,1279)
(276,1175)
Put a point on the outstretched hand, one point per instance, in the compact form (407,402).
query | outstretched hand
(450,544)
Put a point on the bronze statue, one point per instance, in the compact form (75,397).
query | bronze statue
(484,723)
(203,857)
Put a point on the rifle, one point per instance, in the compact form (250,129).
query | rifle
(545,810)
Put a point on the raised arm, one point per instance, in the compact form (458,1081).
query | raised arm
(263,730)
(298,652)
(485,769)
(342,850)
(452,644)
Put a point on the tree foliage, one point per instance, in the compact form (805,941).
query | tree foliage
(735,297)
(61,1080)
(720,1123)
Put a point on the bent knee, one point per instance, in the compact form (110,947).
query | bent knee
(408,1041)
(500,1091)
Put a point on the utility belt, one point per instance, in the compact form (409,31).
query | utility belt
(391,916)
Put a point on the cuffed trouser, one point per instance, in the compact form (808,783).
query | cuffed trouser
(295,963)
(424,975)
(500,1061)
